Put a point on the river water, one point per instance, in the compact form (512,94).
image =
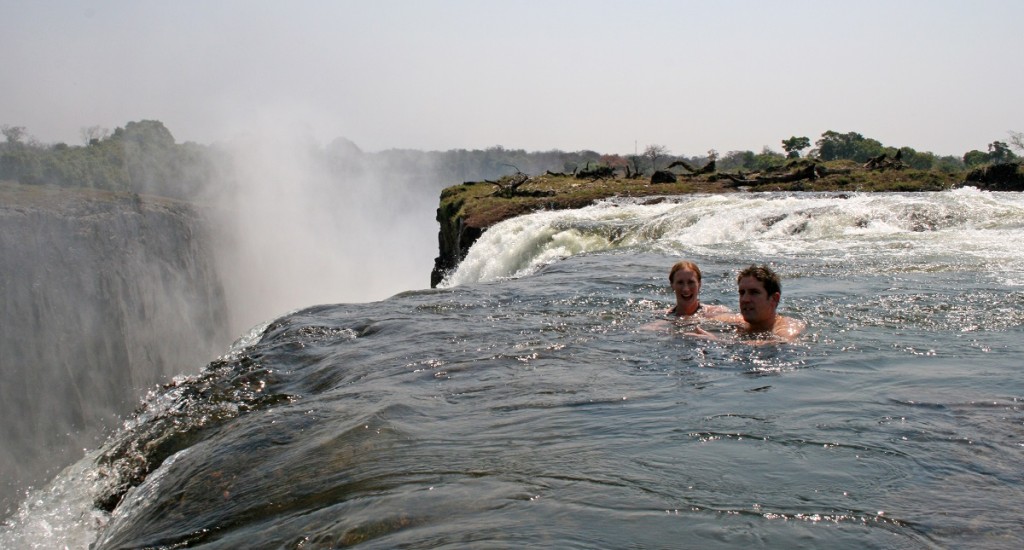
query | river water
(538,400)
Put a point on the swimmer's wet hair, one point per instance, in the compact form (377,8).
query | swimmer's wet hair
(681,265)
(762,273)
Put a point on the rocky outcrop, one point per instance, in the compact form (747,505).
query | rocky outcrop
(663,176)
(454,239)
(997,177)
(104,295)
(467,210)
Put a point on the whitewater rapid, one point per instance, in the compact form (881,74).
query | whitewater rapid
(903,228)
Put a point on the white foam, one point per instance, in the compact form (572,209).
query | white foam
(983,226)
(60,515)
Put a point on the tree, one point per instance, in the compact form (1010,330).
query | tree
(975,158)
(14,134)
(918,160)
(634,162)
(737,160)
(852,146)
(94,134)
(150,157)
(1017,140)
(148,134)
(948,164)
(767,160)
(794,145)
(654,152)
(615,162)
(999,152)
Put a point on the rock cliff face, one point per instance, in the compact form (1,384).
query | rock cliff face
(454,239)
(104,296)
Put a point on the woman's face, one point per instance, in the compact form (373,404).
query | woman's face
(686,285)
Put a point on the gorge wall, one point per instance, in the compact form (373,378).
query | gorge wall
(104,296)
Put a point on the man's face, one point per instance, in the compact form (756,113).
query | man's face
(686,285)
(756,306)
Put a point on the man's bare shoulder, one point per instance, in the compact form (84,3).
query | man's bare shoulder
(713,311)
(727,317)
(788,328)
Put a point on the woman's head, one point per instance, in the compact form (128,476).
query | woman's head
(684,279)
(683,265)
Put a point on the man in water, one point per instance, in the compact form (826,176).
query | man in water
(759,295)
(685,280)
(760,292)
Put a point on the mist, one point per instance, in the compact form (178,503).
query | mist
(109,297)
(105,297)
(112,294)
(298,224)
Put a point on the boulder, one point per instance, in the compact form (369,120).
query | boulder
(663,176)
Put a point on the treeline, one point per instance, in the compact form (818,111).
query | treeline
(143,157)
(831,146)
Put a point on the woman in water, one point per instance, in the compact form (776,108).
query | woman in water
(685,280)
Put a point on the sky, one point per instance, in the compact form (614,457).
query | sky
(603,75)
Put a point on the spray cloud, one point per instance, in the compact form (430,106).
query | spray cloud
(298,225)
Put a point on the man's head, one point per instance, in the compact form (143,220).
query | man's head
(759,291)
(763,273)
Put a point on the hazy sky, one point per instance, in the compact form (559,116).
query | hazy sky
(940,76)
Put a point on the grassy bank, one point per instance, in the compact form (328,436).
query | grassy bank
(477,204)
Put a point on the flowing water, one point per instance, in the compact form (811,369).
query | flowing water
(539,399)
